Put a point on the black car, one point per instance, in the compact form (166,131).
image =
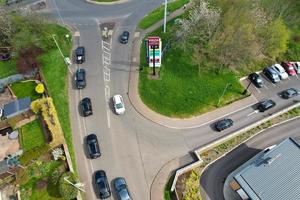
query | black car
(256,80)
(223,124)
(80,55)
(266,105)
(86,107)
(93,146)
(271,74)
(102,184)
(124,37)
(122,189)
(289,93)
(80,80)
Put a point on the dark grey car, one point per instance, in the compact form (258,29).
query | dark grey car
(271,74)
(124,37)
(102,184)
(266,105)
(122,189)
(80,80)
(223,124)
(80,55)
(289,93)
(93,146)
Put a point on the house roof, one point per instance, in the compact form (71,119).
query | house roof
(274,174)
(3,166)
(16,107)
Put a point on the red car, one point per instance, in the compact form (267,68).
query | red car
(288,66)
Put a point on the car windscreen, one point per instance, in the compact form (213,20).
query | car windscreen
(119,105)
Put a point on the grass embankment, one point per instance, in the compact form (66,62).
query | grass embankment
(184,89)
(55,73)
(25,89)
(31,135)
(158,13)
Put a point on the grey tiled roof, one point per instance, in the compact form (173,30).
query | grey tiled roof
(17,107)
(275,175)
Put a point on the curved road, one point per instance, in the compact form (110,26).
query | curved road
(212,179)
(132,147)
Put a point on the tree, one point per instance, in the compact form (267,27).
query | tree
(67,190)
(6,30)
(274,38)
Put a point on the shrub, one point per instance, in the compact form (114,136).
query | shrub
(67,190)
(33,154)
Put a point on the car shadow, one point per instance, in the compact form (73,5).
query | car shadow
(80,109)
(85,150)
(94,186)
(113,190)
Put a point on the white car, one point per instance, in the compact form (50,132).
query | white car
(280,71)
(119,104)
(296,66)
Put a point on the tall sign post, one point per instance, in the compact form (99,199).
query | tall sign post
(154,50)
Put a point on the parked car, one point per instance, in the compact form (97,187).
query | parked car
(288,66)
(86,107)
(280,71)
(80,55)
(266,105)
(102,185)
(122,189)
(289,93)
(256,79)
(271,74)
(223,124)
(119,104)
(124,37)
(80,80)
(93,146)
(296,66)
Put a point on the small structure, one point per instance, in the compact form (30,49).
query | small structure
(272,174)
(17,107)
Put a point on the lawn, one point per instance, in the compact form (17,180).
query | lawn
(25,89)
(56,77)
(7,68)
(184,89)
(30,190)
(31,135)
(158,14)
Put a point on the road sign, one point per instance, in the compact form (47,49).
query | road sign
(154,46)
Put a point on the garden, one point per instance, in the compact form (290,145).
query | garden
(25,89)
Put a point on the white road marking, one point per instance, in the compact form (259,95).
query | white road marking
(254,112)
(266,87)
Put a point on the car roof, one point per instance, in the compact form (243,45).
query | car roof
(91,136)
(118,182)
(117,98)
(125,33)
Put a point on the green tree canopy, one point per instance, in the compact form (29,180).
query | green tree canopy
(67,190)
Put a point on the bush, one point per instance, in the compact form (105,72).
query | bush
(33,154)
(67,190)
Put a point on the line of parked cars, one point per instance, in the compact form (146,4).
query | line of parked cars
(275,73)
(91,142)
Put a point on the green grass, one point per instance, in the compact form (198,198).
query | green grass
(56,73)
(31,135)
(25,89)
(158,14)
(183,90)
(7,68)
(168,195)
(30,191)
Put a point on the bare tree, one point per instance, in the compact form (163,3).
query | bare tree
(5,28)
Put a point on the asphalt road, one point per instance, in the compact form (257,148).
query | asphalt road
(212,179)
(132,147)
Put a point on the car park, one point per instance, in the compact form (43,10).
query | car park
(280,71)
(288,66)
(296,66)
(80,80)
(223,124)
(271,74)
(121,188)
(80,55)
(102,185)
(289,93)
(119,104)
(93,146)
(266,105)
(124,37)
(256,80)
(86,107)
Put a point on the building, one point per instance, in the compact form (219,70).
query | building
(17,107)
(274,174)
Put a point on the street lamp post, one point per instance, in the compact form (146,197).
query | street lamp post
(165,16)
(227,85)
(245,91)
(77,185)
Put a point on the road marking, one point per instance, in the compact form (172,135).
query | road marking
(266,87)
(254,112)
(257,89)
(107,98)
